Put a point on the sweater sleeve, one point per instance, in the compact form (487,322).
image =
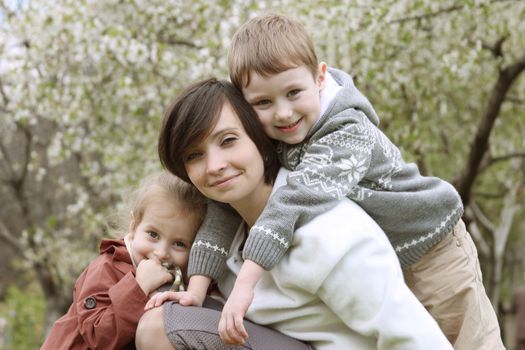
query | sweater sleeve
(109,309)
(329,170)
(209,251)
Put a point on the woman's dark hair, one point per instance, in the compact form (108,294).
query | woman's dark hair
(194,114)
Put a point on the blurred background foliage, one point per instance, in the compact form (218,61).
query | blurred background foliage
(84,83)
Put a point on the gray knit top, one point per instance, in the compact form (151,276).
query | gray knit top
(344,155)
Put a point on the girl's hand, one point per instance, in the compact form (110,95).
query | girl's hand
(183,298)
(231,324)
(151,275)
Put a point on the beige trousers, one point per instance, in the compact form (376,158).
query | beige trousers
(447,280)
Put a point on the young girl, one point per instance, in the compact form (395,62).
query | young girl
(333,293)
(110,294)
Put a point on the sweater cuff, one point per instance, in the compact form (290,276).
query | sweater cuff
(204,262)
(263,251)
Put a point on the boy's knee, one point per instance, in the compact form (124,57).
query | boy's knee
(150,329)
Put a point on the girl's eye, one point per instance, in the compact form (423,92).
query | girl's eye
(153,234)
(179,244)
(294,92)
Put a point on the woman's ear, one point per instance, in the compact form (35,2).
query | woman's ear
(321,75)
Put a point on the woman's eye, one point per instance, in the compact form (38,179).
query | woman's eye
(229,140)
(192,156)
(262,102)
(293,92)
(153,234)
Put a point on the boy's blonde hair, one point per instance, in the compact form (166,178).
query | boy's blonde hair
(269,44)
(164,186)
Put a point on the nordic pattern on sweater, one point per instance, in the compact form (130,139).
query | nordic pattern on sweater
(344,155)
(347,155)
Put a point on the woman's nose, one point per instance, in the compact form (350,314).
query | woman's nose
(215,163)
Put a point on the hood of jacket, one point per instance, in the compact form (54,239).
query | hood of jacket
(350,96)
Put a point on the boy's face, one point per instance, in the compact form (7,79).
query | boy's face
(287,103)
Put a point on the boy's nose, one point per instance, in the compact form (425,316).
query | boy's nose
(283,112)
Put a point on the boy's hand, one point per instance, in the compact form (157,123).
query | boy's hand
(183,298)
(231,324)
(150,275)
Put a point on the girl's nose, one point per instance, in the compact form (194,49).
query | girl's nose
(161,252)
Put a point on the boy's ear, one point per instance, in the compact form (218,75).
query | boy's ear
(321,75)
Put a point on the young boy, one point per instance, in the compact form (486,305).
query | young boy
(328,136)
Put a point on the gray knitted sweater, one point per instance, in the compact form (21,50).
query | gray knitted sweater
(344,155)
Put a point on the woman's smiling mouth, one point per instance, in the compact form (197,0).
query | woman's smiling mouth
(223,182)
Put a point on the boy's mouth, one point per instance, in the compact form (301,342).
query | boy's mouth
(290,127)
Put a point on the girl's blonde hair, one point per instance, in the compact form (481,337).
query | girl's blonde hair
(182,194)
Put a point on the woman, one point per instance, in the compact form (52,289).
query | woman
(333,289)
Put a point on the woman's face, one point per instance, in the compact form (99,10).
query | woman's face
(226,166)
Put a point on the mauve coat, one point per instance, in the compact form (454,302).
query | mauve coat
(107,304)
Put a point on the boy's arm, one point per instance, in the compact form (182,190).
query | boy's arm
(210,249)
(231,325)
(329,170)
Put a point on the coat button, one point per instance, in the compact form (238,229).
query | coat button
(90,303)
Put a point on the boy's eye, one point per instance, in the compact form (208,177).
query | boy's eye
(294,92)
(153,234)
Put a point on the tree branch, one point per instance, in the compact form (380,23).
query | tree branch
(427,15)
(493,160)
(479,147)
(6,234)
(481,218)
(436,13)
(481,243)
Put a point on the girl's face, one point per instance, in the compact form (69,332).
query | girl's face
(164,232)
(226,166)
